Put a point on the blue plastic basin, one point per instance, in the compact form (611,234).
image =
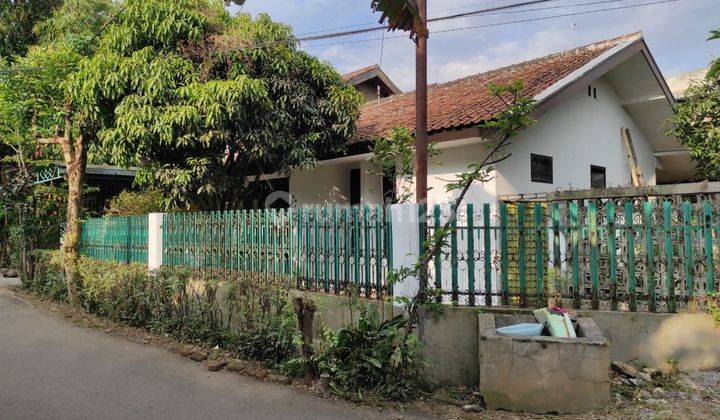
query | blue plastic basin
(522,329)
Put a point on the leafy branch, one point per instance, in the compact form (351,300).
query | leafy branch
(516,117)
(392,156)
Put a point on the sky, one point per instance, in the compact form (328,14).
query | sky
(675,31)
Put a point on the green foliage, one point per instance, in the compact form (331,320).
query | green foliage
(249,315)
(696,123)
(392,156)
(714,70)
(77,23)
(373,357)
(48,279)
(507,124)
(137,202)
(400,14)
(205,99)
(17,19)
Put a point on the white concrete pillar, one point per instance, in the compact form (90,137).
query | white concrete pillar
(155,240)
(405,246)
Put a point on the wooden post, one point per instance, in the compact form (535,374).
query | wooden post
(421,129)
(421,107)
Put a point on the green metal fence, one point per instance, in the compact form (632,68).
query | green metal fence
(652,254)
(115,238)
(635,254)
(322,248)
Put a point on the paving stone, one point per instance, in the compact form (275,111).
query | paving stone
(279,379)
(198,356)
(236,365)
(216,365)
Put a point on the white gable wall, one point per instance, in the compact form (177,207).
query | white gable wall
(580,132)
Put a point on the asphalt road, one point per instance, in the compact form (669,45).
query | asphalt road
(52,369)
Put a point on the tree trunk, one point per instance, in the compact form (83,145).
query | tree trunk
(305,311)
(74,154)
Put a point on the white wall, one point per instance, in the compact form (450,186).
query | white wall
(443,169)
(325,184)
(580,132)
(329,183)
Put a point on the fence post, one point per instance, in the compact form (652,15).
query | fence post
(155,240)
(406,245)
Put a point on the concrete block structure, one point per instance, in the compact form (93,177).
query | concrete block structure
(542,374)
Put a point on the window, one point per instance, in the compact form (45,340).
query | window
(541,168)
(388,188)
(592,92)
(597,177)
(354,187)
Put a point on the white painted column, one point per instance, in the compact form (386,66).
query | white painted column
(406,245)
(155,240)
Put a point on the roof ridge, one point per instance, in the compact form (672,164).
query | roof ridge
(633,36)
(363,70)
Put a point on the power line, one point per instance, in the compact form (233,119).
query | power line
(374,23)
(437,19)
(585,12)
(375,27)
(504,9)
(488,25)
(300,40)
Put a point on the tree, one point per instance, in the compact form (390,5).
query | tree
(17,20)
(516,117)
(46,115)
(696,122)
(30,94)
(205,102)
(392,158)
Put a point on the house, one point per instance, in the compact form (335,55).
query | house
(585,96)
(102,183)
(681,82)
(372,82)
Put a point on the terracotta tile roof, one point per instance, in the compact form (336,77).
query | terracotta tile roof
(466,102)
(359,72)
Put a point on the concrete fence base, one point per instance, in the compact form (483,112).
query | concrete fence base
(689,341)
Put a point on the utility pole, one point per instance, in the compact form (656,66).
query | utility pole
(421,107)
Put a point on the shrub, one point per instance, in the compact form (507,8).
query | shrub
(129,203)
(373,356)
(250,315)
(49,277)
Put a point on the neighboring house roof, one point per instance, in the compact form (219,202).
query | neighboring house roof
(103,170)
(359,72)
(362,75)
(466,102)
(679,83)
